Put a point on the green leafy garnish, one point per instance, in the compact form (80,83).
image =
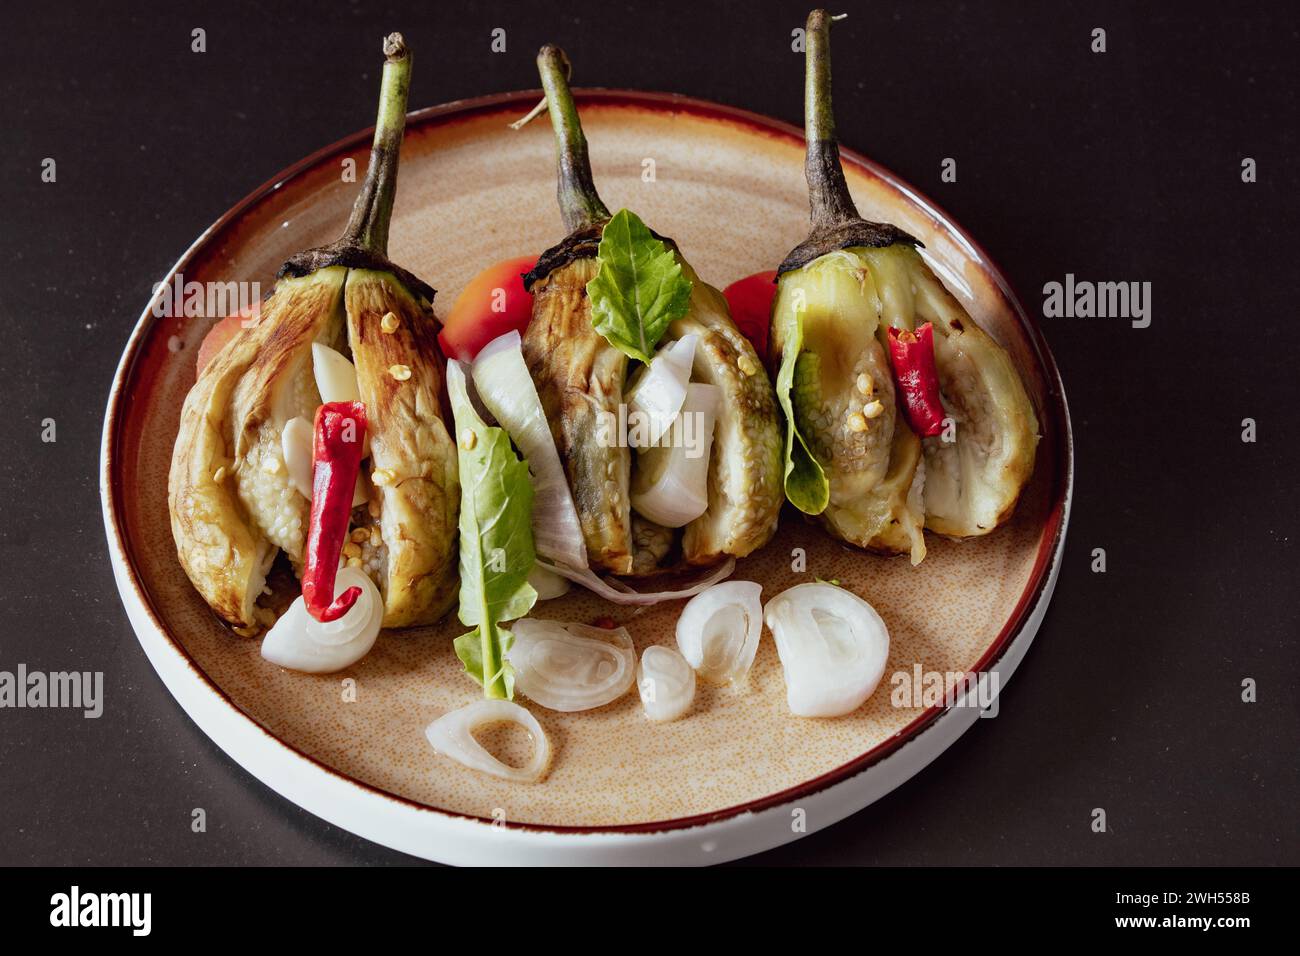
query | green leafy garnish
(805,480)
(496,542)
(639,289)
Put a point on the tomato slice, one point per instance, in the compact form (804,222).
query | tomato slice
(750,300)
(494,303)
(221,333)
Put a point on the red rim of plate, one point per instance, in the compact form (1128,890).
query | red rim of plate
(1056,428)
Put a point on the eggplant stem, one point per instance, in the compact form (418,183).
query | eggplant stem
(828,194)
(373,211)
(580,204)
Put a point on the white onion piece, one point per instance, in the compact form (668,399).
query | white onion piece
(336,380)
(612,589)
(295,442)
(452,735)
(300,642)
(666,683)
(719,630)
(504,386)
(659,391)
(547,583)
(671,483)
(336,377)
(571,667)
(833,648)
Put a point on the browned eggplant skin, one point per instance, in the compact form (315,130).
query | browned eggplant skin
(223,553)
(579,378)
(745,481)
(409,439)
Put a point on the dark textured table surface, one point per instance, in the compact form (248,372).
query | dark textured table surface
(1116,166)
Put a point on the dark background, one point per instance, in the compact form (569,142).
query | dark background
(1120,166)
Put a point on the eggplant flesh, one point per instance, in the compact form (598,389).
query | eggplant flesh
(279,385)
(843,288)
(975,475)
(974,471)
(845,405)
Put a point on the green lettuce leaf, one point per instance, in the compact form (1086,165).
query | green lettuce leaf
(639,289)
(496,542)
(805,481)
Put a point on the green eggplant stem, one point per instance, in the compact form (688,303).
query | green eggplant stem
(373,211)
(828,194)
(580,204)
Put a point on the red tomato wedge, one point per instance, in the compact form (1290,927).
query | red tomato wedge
(750,300)
(223,332)
(494,303)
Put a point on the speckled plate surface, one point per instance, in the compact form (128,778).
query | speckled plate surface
(729,188)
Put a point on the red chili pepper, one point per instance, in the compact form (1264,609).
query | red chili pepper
(912,354)
(340,430)
(750,300)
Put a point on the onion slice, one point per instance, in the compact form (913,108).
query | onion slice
(336,380)
(659,391)
(336,377)
(452,735)
(670,485)
(547,583)
(295,443)
(571,667)
(300,642)
(504,386)
(719,630)
(833,647)
(666,683)
(612,589)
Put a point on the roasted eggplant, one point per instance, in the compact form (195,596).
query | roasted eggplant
(850,296)
(234,497)
(583,379)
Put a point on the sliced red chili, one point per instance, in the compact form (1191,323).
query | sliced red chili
(340,431)
(912,355)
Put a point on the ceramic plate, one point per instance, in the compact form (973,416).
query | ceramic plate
(733,776)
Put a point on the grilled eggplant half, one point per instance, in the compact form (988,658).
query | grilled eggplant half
(581,378)
(233,499)
(852,458)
